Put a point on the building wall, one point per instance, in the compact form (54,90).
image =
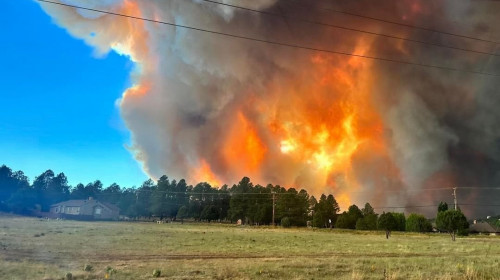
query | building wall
(105,213)
(62,209)
(89,210)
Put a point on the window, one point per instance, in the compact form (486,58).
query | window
(97,211)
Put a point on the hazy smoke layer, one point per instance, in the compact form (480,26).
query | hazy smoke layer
(208,107)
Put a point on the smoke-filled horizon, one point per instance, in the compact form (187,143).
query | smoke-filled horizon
(211,108)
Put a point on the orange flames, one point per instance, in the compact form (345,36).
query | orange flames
(304,132)
(313,126)
(329,118)
(243,148)
(203,173)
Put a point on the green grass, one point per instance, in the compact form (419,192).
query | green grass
(36,249)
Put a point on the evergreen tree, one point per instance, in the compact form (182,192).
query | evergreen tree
(41,186)
(209,213)
(452,221)
(78,192)
(127,202)
(93,190)
(144,199)
(368,210)
(182,213)
(239,203)
(388,223)
(10,183)
(320,216)
(344,221)
(332,208)
(325,212)
(111,194)
(443,206)
(222,202)
(158,197)
(350,217)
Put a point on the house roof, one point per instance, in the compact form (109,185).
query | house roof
(482,227)
(110,206)
(80,202)
(74,202)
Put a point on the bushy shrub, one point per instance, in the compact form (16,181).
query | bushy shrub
(69,276)
(400,220)
(88,267)
(285,222)
(345,221)
(463,232)
(368,222)
(156,273)
(318,220)
(110,270)
(418,223)
(388,223)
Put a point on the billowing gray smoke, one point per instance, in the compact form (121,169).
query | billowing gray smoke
(216,108)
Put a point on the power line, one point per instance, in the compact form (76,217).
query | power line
(351,29)
(406,25)
(287,193)
(278,43)
(215,193)
(485,188)
(469,204)
(404,190)
(395,207)
(423,206)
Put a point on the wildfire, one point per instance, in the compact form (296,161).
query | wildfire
(288,146)
(244,150)
(306,128)
(314,127)
(203,173)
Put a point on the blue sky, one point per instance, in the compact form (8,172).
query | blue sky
(57,102)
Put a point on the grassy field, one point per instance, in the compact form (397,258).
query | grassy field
(39,249)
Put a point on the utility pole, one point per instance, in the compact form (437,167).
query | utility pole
(273,208)
(455,197)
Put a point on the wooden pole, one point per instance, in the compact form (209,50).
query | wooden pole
(273,208)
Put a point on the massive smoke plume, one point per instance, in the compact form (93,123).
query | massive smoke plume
(212,108)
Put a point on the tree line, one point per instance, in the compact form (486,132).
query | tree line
(243,202)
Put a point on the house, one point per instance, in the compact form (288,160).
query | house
(85,209)
(483,228)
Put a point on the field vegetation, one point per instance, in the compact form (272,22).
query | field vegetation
(33,248)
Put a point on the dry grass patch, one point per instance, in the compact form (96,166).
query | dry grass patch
(214,251)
